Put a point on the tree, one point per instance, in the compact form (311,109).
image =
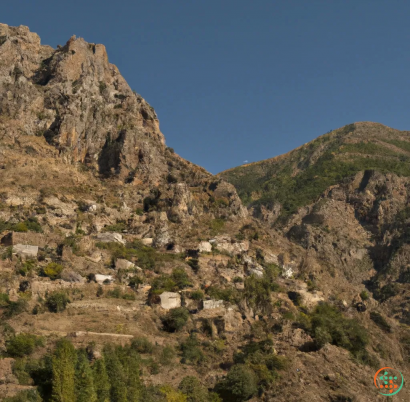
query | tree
(84,385)
(101,381)
(239,385)
(116,375)
(193,389)
(63,362)
(56,302)
(131,364)
(22,345)
(176,319)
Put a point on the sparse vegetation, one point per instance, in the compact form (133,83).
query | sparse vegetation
(22,345)
(57,301)
(175,319)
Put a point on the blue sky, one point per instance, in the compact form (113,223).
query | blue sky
(235,80)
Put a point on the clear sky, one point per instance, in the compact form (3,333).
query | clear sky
(245,80)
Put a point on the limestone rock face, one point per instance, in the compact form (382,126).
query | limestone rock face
(110,237)
(170,300)
(25,250)
(225,243)
(205,247)
(123,264)
(210,304)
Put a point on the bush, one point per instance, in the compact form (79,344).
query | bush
(135,282)
(175,319)
(364,295)
(15,308)
(197,295)
(239,385)
(139,211)
(380,321)
(118,227)
(216,226)
(25,396)
(329,325)
(194,264)
(52,270)
(22,345)
(181,278)
(191,352)
(142,345)
(193,389)
(227,294)
(57,301)
(167,355)
(27,267)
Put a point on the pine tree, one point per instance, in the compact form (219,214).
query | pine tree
(116,374)
(101,381)
(63,361)
(84,385)
(132,369)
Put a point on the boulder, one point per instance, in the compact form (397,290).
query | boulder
(110,237)
(94,257)
(225,243)
(147,241)
(210,304)
(205,247)
(25,250)
(71,276)
(170,300)
(123,264)
(101,278)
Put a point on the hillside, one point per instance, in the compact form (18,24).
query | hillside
(130,274)
(299,177)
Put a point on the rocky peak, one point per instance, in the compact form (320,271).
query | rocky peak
(80,103)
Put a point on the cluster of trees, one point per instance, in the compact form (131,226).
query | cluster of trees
(70,375)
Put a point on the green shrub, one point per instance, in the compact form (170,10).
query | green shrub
(167,355)
(128,296)
(135,282)
(180,278)
(175,319)
(15,308)
(118,227)
(139,211)
(25,396)
(4,300)
(22,345)
(364,295)
(102,86)
(239,385)
(380,321)
(216,226)
(8,254)
(329,325)
(115,293)
(258,292)
(194,264)
(57,301)
(26,267)
(193,389)
(163,283)
(30,224)
(191,352)
(227,294)
(197,295)
(52,270)
(142,345)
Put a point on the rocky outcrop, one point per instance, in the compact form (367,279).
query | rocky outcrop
(170,300)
